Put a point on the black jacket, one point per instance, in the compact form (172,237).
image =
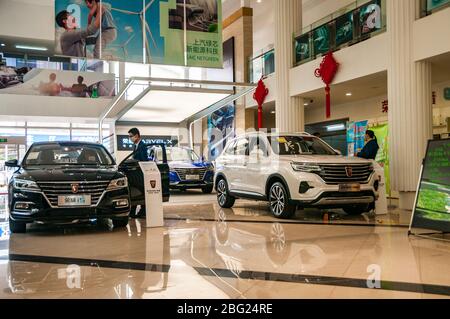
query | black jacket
(370,150)
(140,153)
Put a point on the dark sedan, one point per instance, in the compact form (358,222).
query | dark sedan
(67,182)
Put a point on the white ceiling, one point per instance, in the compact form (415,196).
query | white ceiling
(170,107)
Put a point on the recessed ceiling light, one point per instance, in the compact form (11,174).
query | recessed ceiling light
(2,45)
(26,47)
(273,112)
(349,94)
(306,104)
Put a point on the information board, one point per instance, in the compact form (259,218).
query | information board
(432,209)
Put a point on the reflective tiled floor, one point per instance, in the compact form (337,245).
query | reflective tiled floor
(207,252)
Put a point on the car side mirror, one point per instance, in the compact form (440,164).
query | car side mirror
(203,159)
(338,152)
(12,163)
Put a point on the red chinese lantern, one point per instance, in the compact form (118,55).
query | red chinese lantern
(260,96)
(327,71)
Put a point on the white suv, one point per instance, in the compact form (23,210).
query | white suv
(294,170)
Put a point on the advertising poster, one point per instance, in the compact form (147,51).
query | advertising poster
(302,47)
(370,17)
(118,38)
(344,29)
(382,134)
(221,123)
(355,136)
(321,39)
(432,209)
(434,4)
(62,83)
(120,35)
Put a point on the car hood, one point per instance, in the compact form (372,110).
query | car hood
(70,174)
(174,165)
(323,159)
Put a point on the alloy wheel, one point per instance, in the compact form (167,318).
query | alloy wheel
(222,192)
(277,200)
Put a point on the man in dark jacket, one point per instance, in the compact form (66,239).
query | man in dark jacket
(371,148)
(139,154)
(139,149)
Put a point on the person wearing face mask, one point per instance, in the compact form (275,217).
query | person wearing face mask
(139,149)
(371,148)
(139,154)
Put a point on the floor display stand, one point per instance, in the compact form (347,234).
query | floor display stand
(153,194)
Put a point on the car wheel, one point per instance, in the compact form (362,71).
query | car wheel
(279,202)
(357,209)
(120,222)
(17,227)
(224,198)
(207,189)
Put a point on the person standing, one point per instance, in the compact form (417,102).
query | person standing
(371,148)
(140,154)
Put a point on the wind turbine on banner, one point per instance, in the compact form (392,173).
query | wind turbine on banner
(141,15)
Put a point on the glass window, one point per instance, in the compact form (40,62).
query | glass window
(66,154)
(241,147)
(176,154)
(48,124)
(298,145)
(10,131)
(47,135)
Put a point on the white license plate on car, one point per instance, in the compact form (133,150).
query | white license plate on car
(192,177)
(74,200)
(350,187)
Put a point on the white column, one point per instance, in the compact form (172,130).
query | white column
(410,102)
(290,112)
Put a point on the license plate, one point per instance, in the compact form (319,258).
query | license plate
(192,177)
(74,200)
(349,187)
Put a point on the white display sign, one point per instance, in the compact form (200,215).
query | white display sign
(153,194)
(381,207)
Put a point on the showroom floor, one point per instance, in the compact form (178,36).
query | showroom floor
(207,252)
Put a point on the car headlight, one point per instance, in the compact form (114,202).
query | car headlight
(118,184)
(306,167)
(23,184)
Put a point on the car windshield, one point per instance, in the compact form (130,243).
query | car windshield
(176,154)
(299,145)
(63,155)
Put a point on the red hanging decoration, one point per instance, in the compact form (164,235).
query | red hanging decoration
(327,71)
(385,106)
(260,96)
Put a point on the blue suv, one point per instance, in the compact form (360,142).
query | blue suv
(187,169)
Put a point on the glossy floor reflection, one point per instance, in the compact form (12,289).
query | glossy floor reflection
(214,256)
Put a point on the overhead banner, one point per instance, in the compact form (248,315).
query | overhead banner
(62,83)
(432,210)
(177,32)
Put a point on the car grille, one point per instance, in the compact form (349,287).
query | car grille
(54,189)
(182,172)
(337,174)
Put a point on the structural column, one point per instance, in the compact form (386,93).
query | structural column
(290,112)
(410,102)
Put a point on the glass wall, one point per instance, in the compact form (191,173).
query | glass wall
(262,65)
(350,25)
(54,131)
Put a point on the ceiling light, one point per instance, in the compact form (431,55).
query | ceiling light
(335,127)
(273,112)
(306,104)
(349,94)
(26,47)
(2,45)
